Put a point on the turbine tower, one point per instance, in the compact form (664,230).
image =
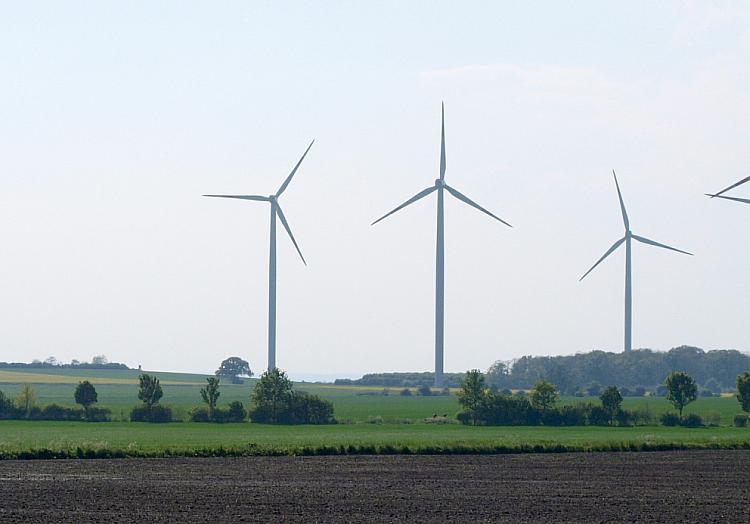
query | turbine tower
(629,236)
(276,211)
(440,186)
(720,194)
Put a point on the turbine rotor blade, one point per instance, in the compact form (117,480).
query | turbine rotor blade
(743,200)
(622,203)
(644,240)
(280,213)
(413,199)
(605,255)
(242,197)
(746,179)
(473,204)
(442,142)
(289,178)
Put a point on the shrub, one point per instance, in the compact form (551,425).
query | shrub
(712,419)
(642,416)
(743,391)
(598,416)
(148,413)
(295,408)
(235,412)
(669,419)
(437,419)
(740,420)
(8,408)
(56,412)
(623,418)
(425,391)
(692,420)
(406,392)
(377,419)
(198,414)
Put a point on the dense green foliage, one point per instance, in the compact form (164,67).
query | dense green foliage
(235,412)
(642,367)
(544,395)
(210,395)
(611,402)
(233,368)
(401,380)
(152,413)
(743,390)
(149,390)
(681,390)
(85,395)
(275,402)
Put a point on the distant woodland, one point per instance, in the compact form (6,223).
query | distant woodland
(585,373)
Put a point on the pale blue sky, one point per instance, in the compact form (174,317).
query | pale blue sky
(116,117)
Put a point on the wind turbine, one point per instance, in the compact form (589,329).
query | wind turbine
(440,186)
(275,212)
(629,236)
(721,193)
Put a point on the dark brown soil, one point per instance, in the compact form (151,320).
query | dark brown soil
(701,486)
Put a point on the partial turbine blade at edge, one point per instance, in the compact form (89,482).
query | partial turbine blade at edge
(650,242)
(289,178)
(442,142)
(605,255)
(242,197)
(746,179)
(413,199)
(743,200)
(625,219)
(473,204)
(289,231)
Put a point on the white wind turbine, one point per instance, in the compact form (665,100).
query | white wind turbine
(275,212)
(628,281)
(440,186)
(720,194)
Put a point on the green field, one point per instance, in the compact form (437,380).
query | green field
(404,429)
(188,439)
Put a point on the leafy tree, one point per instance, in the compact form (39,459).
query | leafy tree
(681,389)
(544,395)
(611,402)
(472,394)
(743,390)
(272,394)
(424,390)
(498,373)
(26,400)
(233,368)
(85,395)
(210,395)
(99,360)
(150,390)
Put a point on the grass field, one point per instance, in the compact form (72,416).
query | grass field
(404,429)
(186,439)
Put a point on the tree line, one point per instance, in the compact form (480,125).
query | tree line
(713,370)
(273,400)
(483,405)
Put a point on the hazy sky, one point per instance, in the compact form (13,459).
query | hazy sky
(116,116)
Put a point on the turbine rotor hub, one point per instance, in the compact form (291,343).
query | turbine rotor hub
(439,182)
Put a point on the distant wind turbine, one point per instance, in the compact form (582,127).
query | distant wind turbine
(628,282)
(721,193)
(275,212)
(440,186)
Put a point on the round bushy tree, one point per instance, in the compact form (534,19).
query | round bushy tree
(544,396)
(85,395)
(681,390)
